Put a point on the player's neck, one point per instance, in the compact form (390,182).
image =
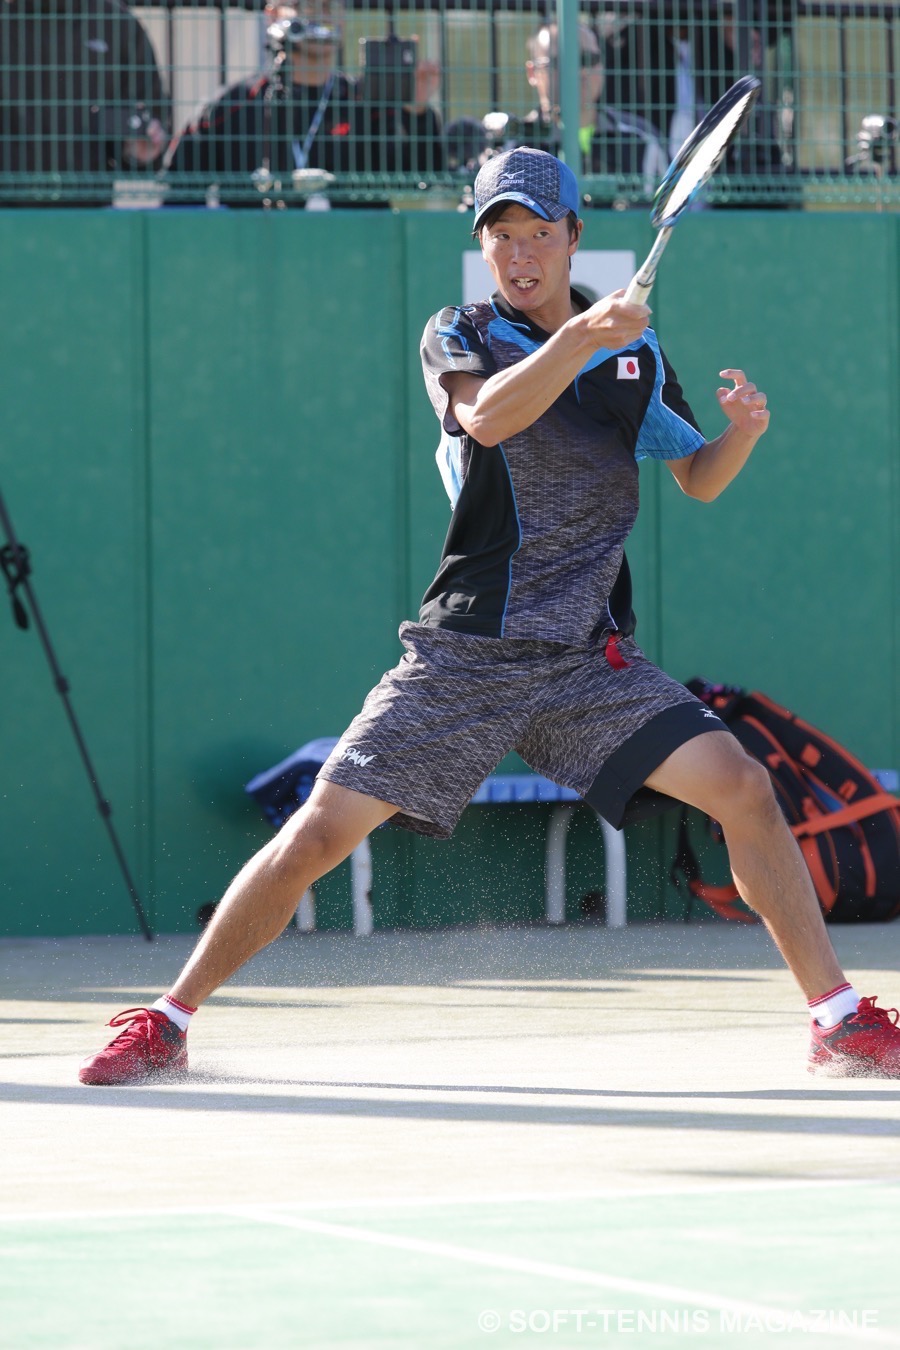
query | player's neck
(553,315)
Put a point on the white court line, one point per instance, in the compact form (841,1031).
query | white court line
(434,1201)
(672,1294)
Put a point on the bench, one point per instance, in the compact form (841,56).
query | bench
(279,791)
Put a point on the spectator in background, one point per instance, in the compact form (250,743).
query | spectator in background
(673,65)
(80,91)
(611,142)
(303,113)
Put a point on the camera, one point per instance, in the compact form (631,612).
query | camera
(117,124)
(288,32)
(128,135)
(877,137)
(137,123)
(877,146)
(470,141)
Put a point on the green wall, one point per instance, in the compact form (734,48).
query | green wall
(217,446)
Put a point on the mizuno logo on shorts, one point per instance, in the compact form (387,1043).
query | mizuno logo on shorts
(359,759)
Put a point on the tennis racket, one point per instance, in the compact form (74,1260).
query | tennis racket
(694,165)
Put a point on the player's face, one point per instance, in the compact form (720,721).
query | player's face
(529,261)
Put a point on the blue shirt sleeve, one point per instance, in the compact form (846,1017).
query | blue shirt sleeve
(451,343)
(669,429)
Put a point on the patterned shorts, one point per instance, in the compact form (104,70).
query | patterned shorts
(440,722)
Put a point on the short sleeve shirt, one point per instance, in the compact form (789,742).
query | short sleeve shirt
(536,539)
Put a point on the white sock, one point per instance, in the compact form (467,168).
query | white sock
(834,1006)
(179,1013)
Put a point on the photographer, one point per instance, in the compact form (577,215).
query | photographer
(81,93)
(304,114)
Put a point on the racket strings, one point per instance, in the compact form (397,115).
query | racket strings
(697,161)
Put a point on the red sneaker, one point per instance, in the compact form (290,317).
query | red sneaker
(866,1044)
(152,1046)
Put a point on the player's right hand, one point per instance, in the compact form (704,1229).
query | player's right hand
(613,322)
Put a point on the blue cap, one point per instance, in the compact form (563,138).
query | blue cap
(533,178)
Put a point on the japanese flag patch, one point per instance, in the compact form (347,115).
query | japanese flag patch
(628,368)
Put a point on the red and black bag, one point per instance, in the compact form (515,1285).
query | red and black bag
(847,825)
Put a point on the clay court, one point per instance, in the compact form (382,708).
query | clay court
(491,1137)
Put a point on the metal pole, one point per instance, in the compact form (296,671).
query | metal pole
(17,568)
(555,864)
(569,81)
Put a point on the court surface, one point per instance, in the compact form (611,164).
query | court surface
(492,1137)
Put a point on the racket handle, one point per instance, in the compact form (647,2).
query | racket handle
(636,293)
(641,283)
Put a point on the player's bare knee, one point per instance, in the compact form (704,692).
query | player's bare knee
(310,844)
(749,799)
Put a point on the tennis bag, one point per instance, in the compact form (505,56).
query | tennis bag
(847,826)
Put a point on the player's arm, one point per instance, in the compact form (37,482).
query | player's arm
(493,409)
(709,470)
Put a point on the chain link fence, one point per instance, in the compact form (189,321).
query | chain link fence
(222,102)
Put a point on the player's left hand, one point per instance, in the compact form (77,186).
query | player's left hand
(744,405)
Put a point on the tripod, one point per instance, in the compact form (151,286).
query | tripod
(16,568)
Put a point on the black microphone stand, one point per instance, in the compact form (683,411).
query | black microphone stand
(16,568)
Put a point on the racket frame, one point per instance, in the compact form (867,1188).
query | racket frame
(748,86)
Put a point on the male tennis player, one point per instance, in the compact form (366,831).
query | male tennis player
(524,638)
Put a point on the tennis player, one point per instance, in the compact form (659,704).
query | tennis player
(525,637)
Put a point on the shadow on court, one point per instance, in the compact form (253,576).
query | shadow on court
(191,1098)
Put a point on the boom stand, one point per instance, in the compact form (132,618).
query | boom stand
(17,568)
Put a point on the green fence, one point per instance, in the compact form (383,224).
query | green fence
(218,448)
(333,103)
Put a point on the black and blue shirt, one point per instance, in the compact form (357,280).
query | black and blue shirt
(535,547)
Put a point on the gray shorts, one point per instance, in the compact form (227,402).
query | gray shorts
(440,722)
